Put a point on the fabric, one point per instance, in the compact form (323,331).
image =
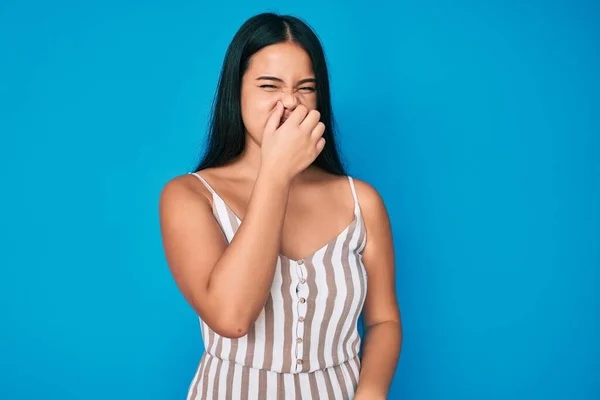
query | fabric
(305,343)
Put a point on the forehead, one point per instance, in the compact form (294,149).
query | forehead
(284,60)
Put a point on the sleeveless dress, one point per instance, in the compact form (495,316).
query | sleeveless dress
(305,343)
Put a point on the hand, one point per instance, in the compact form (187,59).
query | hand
(293,146)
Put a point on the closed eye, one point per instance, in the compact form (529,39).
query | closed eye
(309,89)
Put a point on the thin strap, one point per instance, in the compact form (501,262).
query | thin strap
(203,181)
(356,206)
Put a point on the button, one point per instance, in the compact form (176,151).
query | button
(299,361)
(299,340)
(301,318)
(300,262)
(302,300)
(302,280)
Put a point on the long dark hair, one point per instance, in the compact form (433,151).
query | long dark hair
(226,138)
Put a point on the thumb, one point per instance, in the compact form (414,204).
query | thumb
(274,118)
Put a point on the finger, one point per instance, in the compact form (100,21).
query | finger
(297,116)
(274,118)
(320,145)
(318,131)
(311,120)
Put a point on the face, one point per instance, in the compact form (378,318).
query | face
(282,71)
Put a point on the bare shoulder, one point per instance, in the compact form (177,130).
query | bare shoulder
(378,253)
(185,187)
(371,202)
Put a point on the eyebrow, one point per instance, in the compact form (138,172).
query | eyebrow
(273,78)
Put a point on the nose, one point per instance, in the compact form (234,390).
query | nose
(289,100)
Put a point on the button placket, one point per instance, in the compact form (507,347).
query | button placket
(302,296)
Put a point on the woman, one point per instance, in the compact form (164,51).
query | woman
(279,294)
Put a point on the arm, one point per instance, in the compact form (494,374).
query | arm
(381,315)
(227,285)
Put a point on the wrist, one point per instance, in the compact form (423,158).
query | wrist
(274,176)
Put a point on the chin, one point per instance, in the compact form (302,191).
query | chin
(254,138)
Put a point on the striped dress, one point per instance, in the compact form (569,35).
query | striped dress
(305,343)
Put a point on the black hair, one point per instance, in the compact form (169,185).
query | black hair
(226,138)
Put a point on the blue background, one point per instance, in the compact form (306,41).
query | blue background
(478,122)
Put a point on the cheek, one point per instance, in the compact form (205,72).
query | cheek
(309,100)
(255,111)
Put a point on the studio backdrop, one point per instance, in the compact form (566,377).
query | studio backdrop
(478,123)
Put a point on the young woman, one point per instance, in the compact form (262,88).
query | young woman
(276,249)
